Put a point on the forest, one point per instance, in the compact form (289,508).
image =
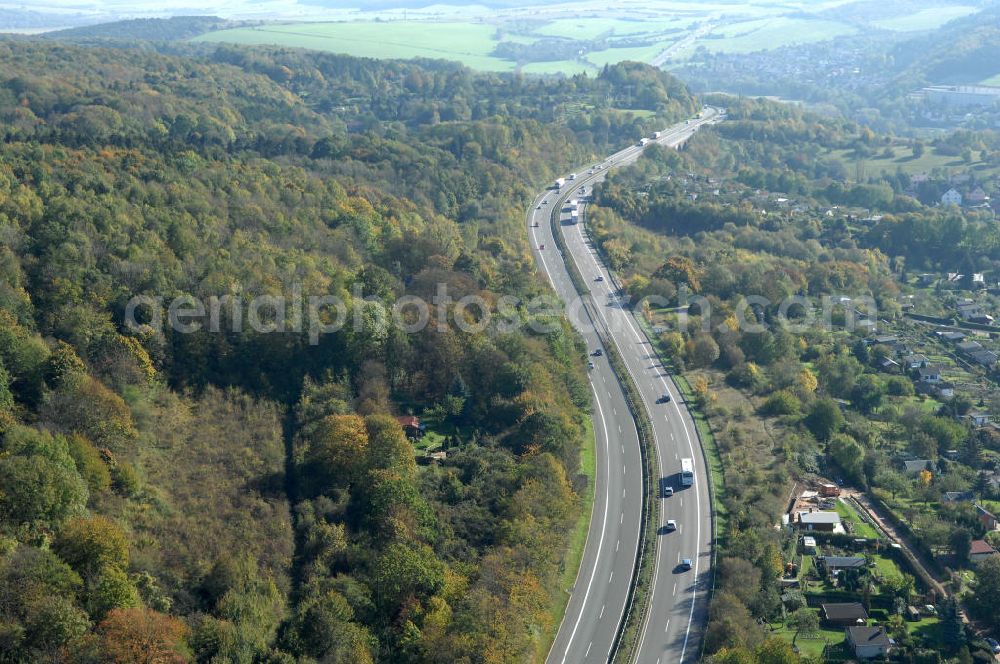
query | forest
(238,496)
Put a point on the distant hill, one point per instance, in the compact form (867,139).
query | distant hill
(177,28)
(966,50)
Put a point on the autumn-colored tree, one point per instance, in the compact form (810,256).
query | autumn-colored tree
(143,636)
(681,270)
(337,449)
(92,543)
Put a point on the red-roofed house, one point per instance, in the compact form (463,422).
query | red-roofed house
(411,426)
(980,551)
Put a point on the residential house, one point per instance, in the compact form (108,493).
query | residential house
(917,466)
(978,418)
(916,361)
(953,337)
(951,197)
(958,497)
(846,614)
(981,319)
(411,426)
(868,642)
(889,365)
(821,521)
(929,375)
(976,197)
(969,311)
(838,563)
(969,347)
(980,551)
(986,358)
(986,517)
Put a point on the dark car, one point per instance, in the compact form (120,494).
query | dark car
(664,399)
(598,353)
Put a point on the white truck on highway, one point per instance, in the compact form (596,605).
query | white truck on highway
(575,216)
(559,183)
(687,472)
(657,134)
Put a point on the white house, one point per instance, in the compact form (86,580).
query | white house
(951,197)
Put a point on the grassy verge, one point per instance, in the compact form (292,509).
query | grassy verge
(577,542)
(642,577)
(712,456)
(859,526)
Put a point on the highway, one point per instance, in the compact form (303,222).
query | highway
(671,630)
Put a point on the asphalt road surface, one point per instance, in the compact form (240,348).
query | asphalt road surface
(671,631)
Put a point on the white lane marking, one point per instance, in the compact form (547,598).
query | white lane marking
(589,646)
(618,543)
(611,578)
(604,524)
(675,589)
(667,626)
(602,612)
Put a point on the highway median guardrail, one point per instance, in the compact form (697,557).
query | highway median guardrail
(622,649)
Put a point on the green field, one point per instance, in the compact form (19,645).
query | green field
(470,43)
(590,28)
(470,37)
(926,19)
(770,33)
(638,53)
(905,161)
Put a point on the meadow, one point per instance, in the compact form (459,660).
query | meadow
(638,31)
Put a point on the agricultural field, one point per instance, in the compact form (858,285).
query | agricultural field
(770,33)
(634,32)
(468,42)
(902,159)
(926,19)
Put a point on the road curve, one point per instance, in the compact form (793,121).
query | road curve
(671,630)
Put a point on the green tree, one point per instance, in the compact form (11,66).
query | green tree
(986,597)
(824,419)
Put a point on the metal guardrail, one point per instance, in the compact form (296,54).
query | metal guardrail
(644,427)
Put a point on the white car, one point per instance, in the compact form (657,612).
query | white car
(668,491)
(671,525)
(686,564)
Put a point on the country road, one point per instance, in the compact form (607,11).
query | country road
(671,629)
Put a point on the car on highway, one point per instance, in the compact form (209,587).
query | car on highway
(541,246)
(599,278)
(668,491)
(686,564)
(538,207)
(545,202)
(534,225)
(664,399)
(598,353)
(590,365)
(671,525)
